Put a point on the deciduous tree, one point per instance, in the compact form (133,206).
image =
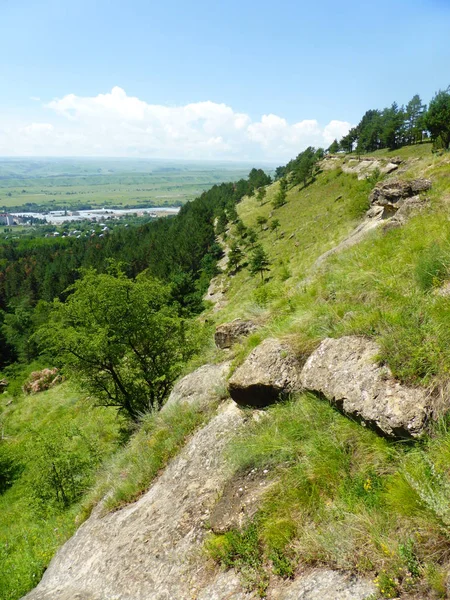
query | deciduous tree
(122,340)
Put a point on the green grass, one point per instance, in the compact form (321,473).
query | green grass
(312,222)
(130,471)
(384,287)
(34,522)
(343,497)
(58,431)
(417,151)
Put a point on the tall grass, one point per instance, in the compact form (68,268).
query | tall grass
(345,498)
(54,433)
(59,458)
(130,471)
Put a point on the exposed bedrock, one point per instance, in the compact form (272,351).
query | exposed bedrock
(153,548)
(345,371)
(204,386)
(270,372)
(391,195)
(228,334)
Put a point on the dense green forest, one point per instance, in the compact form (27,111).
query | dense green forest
(179,250)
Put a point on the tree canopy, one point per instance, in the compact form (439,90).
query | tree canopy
(437,119)
(259,262)
(123,340)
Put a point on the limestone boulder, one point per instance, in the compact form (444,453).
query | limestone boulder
(389,168)
(420,185)
(393,191)
(409,208)
(345,371)
(203,386)
(270,372)
(228,334)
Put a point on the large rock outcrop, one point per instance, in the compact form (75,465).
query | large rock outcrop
(204,386)
(392,203)
(228,334)
(390,197)
(392,191)
(345,371)
(269,372)
(153,548)
(363,166)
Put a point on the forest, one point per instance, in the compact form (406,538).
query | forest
(396,126)
(180,251)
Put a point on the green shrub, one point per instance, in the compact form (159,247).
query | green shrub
(10,468)
(60,466)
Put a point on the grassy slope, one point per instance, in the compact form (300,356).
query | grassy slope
(379,287)
(32,527)
(87,445)
(347,498)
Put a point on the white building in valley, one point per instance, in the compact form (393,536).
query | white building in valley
(6,219)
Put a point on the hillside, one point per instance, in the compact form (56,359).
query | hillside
(377,288)
(297,500)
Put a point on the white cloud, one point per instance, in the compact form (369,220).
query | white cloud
(335,130)
(115,124)
(37,129)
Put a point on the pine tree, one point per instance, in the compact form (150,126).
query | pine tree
(414,116)
(262,192)
(274,225)
(234,258)
(334,147)
(259,262)
(261,221)
(437,119)
(280,197)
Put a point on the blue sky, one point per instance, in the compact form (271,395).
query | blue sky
(197,79)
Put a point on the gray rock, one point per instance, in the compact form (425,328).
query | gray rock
(409,208)
(269,372)
(228,334)
(389,168)
(152,549)
(240,500)
(420,185)
(203,386)
(391,192)
(345,371)
(444,290)
(323,584)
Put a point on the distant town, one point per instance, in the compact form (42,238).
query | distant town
(78,223)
